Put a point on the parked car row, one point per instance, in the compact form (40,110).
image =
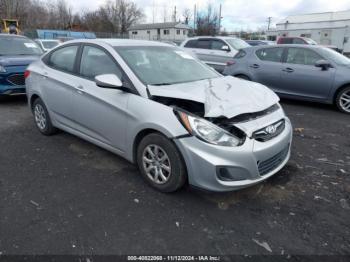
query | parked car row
(174,116)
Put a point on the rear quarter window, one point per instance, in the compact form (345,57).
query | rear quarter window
(240,54)
(191,44)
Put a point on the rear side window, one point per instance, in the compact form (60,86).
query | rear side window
(204,44)
(64,58)
(191,44)
(270,54)
(95,61)
(240,54)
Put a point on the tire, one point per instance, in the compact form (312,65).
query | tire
(342,100)
(243,77)
(42,118)
(169,165)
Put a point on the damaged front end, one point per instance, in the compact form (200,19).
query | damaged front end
(214,130)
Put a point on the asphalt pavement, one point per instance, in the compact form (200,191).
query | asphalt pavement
(62,195)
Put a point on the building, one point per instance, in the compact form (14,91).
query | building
(172,31)
(330,28)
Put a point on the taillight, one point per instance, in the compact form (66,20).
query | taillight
(229,63)
(26,73)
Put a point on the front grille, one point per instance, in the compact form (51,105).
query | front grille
(272,163)
(16,79)
(269,132)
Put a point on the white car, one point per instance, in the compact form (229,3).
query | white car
(47,44)
(214,51)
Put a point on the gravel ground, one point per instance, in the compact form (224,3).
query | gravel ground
(62,195)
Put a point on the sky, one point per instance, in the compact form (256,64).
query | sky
(237,14)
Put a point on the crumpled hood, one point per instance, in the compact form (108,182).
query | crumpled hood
(223,96)
(22,60)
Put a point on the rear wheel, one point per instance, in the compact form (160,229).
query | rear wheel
(42,118)
(160,163)
(343,100)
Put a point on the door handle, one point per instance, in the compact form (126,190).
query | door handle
(255,66)
(288,70)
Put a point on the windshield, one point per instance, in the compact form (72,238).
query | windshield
(310,41)
(18,46)
(49,44)
(334,56)
(161,65)
(237,43)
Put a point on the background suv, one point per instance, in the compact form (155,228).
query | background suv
(214,51)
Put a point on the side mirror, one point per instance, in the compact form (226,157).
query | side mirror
(324,64)
(225,48)
(109,81)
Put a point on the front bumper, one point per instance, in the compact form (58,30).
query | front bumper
(12,89)
(245,162)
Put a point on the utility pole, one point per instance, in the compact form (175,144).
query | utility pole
(219,20)
(194,18)
(269,19)
(175,14)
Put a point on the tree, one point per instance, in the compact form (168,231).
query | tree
(207,21)
(187,15)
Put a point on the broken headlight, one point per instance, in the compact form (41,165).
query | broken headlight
(207,131)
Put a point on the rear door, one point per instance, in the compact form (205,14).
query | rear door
(100,113)
(265,66)
(300,77)
(58,82)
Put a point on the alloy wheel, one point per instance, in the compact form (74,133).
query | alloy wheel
(345,101)
(156,164)
(40,116)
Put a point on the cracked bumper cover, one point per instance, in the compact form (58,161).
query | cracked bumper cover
(203,160)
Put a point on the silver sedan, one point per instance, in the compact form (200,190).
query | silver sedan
(161,108)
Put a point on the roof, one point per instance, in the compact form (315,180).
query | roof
(316,17)
(11,35)
(159,26)
(120,42)
(284,46)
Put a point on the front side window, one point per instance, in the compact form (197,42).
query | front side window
(64,58)
(217,44)
(298,41)
(302,56)
(95,61)
(10,45)
(270,54)
(163,65)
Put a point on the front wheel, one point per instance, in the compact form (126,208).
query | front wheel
(343,100)
(160,163)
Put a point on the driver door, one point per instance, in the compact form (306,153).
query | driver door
(100,113)
(300,77)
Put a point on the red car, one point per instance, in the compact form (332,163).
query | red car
(296,40)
